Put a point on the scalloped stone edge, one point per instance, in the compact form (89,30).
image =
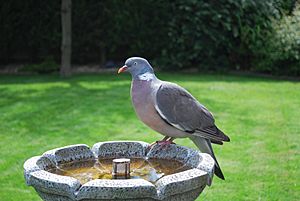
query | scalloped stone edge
(168,186)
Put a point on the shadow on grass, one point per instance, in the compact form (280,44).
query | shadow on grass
(70,103)
(198,77)
(29,79)
(38,109)
(110,77)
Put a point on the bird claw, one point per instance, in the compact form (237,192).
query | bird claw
(162,143)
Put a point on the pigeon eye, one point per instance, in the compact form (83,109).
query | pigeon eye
(135,63)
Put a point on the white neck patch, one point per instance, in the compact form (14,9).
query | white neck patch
(146,76)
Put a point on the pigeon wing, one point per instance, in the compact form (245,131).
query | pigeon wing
(181,110)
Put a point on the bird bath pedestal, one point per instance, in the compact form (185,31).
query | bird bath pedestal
(184,185)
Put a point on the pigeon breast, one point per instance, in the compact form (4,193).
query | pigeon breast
(143,93)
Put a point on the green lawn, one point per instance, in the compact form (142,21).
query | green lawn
(261,116)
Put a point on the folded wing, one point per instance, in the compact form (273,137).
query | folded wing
(181,110)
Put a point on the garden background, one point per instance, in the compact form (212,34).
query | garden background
(240,58)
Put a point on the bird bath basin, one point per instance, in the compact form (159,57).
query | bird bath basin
(78,172)
(149,169)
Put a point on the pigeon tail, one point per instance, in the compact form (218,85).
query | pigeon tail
(205,146)
(218,170)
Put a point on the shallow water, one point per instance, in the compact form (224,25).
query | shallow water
(150,170)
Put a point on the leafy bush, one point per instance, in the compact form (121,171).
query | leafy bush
(30,30)
(281,55)
(216,34)
(101,30)
(210,35)
(47,66)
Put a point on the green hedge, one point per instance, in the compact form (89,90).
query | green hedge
(209,35)
(216,34)
(30,30)
(281,53)
(112,29)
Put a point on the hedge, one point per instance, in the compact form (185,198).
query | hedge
(209,35)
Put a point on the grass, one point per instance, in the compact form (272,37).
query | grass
(262,161)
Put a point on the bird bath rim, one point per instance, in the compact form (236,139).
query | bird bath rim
(67,188)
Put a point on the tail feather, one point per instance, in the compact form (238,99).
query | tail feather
(205,146)
(219,172)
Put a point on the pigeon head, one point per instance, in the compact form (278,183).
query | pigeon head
(137,67)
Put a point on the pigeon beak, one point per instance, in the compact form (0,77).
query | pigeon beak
(122,69)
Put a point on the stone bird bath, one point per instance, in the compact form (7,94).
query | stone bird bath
(184,185)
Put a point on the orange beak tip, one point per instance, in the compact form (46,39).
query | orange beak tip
(122,69)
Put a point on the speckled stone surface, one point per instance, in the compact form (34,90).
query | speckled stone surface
(116,149)
(207,165)
(186,185)
(117,189)
(77,152)
(181,182)
(52,183)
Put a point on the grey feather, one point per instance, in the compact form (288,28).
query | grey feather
(205,146)
(171,110)
(179,108)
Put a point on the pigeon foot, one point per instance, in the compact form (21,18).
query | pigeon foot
(162,143)
(165,144)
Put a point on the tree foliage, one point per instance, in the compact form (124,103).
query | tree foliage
(216,34)
(281,54)
(208,35)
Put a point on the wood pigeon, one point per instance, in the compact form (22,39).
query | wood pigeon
(171,110)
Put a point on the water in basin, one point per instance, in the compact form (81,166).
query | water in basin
(150,170)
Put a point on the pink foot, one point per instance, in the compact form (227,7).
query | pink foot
(164,143)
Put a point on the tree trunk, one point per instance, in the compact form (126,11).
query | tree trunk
(66,45)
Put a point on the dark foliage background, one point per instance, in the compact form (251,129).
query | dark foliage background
(209,35)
